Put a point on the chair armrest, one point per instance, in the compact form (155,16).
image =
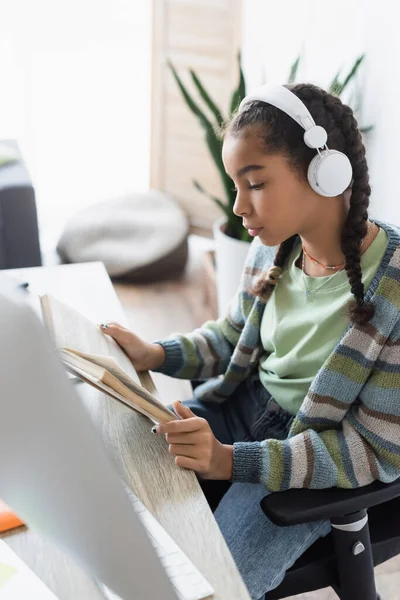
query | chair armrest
(303,505)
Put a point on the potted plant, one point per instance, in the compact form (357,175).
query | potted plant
(232,240)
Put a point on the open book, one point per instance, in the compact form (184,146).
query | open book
(96,358)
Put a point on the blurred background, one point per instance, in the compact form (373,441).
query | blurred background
(76,96)
(105,100)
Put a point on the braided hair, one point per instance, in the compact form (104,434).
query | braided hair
(281,134)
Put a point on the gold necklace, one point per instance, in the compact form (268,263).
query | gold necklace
(308,292)
(335,266)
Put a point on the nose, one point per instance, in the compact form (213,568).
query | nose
(241,207)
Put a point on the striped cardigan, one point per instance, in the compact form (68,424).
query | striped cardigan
(347,431)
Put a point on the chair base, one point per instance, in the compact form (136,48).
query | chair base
(317,567)
(354,556)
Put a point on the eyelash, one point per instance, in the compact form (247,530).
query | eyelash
(258,186)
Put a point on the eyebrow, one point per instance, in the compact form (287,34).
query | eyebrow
(248,168)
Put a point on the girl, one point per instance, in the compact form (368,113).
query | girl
(303,374)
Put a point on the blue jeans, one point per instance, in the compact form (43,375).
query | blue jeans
(262,551)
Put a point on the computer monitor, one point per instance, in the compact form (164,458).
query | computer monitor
(54,470)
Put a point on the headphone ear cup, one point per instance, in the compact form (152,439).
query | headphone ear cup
(311,174)
(330,173)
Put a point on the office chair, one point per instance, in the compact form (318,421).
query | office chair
(345,558)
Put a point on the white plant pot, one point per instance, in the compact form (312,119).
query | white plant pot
(230,257)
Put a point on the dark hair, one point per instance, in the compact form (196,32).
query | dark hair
(281,134)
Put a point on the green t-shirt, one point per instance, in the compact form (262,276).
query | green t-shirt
(298,334)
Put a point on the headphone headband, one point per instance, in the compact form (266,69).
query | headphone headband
(282,98)
(330,171)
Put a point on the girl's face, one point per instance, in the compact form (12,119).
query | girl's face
(272,200)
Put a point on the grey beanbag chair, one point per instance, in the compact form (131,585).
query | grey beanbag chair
(139,237)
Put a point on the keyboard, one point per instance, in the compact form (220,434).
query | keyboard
(188,582)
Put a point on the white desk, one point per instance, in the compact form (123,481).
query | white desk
(172,494)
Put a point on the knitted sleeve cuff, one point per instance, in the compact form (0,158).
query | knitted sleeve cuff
(247,462)
(173,357)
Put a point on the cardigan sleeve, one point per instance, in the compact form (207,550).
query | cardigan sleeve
(343,446)
(205,352)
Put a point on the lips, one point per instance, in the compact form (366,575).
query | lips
(253,231)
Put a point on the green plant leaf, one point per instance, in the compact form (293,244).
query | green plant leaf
(214,143)
(204,94)
(217,201)
(353,71)
(236,230)
(245,237)
(234,223)
(335,85)
(234,102)
(242,82)
(366,128)
(240,91)
(215,146)
(293,70)
(189,100)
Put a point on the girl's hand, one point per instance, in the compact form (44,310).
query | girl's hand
(195,447)
(144,356)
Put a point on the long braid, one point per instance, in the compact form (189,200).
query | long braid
(355,227)
(282,134)
(265,286)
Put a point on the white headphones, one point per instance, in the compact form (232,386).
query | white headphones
(329,172)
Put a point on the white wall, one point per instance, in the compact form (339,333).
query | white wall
(75,93)
(330,36)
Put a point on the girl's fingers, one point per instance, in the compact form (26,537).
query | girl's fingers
(186,463)
(183,425)
(183,450)
(114,324)
(182,438)
(120,334)
(183,411)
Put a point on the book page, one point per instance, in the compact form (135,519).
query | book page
(97,375)
(102,387)
(70,329)
(109,363)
